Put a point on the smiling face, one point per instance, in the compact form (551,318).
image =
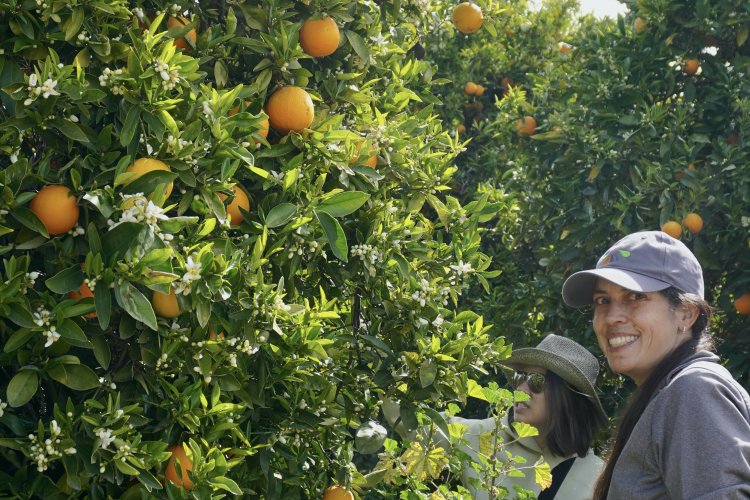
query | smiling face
(533,411)
(637,330)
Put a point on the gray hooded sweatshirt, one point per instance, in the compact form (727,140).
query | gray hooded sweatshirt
(692,441)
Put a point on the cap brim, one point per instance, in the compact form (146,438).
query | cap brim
(578,289)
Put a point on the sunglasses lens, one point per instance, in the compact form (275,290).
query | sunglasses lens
(535,381)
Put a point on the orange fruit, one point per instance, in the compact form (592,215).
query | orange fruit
(639,25)
(470,88)
(319,37)
(672,228)
(145,165)
(479,90)
(467,17)
(526,125)
(165,304)
(179,22)
(693,222)
(56,207)
(182,480)
(564,48)
(337,492)
(290,109)
(371,162)
(461,129)
(84,292)
(212,335)
(742,303)
(691,66)
(240,200)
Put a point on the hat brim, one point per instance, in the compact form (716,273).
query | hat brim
(578,289)
(531,356)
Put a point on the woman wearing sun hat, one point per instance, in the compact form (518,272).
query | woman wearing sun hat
(559,375)
(686,432)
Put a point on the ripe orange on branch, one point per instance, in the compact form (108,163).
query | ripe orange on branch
(144,165)
(233,209)
(181,22)
(742,304)
(691,66)
(319,37)
(526,125)
(467,17)
(470,88)
(183,479)
(337,492)
(479,90)
(57,208)
(693,222)
(290,109)
(165,304)
(672,228)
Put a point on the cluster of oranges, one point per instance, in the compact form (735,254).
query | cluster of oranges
(692,222)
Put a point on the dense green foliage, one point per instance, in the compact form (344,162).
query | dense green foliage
(339,287)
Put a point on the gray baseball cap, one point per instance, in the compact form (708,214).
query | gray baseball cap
(647,261)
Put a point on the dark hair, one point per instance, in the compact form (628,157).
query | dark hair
(572,418)
(699,340)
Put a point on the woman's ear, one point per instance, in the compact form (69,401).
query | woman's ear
(688,314)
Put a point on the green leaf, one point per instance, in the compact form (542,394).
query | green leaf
(129,126)
(227,484)
(335,234)
(118,241)
(73,23)
(742,33)
(72,333)
(76,376)
(103,303)
(359,45)
(69,129)
(342,204)
(22,387)
(525,430)
(66,280)
(475,390)
(29,219)
(102,352)
(148,182)
(427,373)
(135,304)
(21,316)
(280,214)
(18,339)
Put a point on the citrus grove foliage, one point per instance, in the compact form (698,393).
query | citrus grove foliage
(642,123)
(204,305)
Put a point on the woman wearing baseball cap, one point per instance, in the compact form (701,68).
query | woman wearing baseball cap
(559,375)
(686,431)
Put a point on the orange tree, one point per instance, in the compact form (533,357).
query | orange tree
(631,135)
(239,299)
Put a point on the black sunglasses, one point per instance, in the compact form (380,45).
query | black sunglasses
(535,381)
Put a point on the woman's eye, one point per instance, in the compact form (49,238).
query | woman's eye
(598,301)
(639,296)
